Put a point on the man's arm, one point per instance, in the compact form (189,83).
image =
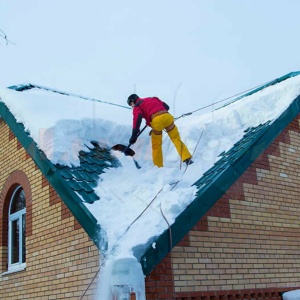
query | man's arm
(137,120)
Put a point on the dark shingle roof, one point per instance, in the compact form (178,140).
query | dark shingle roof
(83,179)
(229,157)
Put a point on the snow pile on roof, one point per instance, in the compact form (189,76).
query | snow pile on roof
(62,126)
(127,191)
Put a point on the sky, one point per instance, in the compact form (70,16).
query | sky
(147,200)
(190,53)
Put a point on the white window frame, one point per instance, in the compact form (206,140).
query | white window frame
(19,266)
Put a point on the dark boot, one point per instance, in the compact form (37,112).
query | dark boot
(188,161)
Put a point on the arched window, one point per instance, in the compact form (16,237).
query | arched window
(16,230)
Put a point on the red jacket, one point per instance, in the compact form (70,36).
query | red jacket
(145,108)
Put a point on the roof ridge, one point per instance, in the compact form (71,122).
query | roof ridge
(28,86)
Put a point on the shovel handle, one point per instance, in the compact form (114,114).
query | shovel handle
(141,131)
(136,137)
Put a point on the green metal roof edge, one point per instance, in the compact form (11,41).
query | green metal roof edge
(209,195)
(69,197)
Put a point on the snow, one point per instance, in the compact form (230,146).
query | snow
(63,125)
(137,188)
(292,295)
(139,204)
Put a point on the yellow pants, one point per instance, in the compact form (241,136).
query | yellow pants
(158,124)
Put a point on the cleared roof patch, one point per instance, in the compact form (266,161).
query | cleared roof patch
(84,178)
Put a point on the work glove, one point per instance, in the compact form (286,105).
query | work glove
(134,136)
(132,140)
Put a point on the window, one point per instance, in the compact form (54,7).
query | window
(16,230)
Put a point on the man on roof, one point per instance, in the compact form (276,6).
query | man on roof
(155,112)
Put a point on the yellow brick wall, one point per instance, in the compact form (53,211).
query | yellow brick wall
(256,243)
(61,260)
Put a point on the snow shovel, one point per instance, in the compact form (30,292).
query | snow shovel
(126,149)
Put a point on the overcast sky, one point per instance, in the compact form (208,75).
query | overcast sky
(190,53)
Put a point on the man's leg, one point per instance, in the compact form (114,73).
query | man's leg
(157,156)
(174,135)
(180,146)
(156,139)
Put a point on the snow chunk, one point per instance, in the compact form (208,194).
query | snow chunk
(292,295)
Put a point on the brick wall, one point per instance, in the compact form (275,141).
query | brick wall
(248,244)
(61,261)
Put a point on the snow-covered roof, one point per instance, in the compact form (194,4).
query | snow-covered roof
(143,212)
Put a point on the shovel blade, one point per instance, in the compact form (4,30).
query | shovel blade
(125,149)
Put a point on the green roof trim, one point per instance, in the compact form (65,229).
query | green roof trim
(66,193)
(216,181)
